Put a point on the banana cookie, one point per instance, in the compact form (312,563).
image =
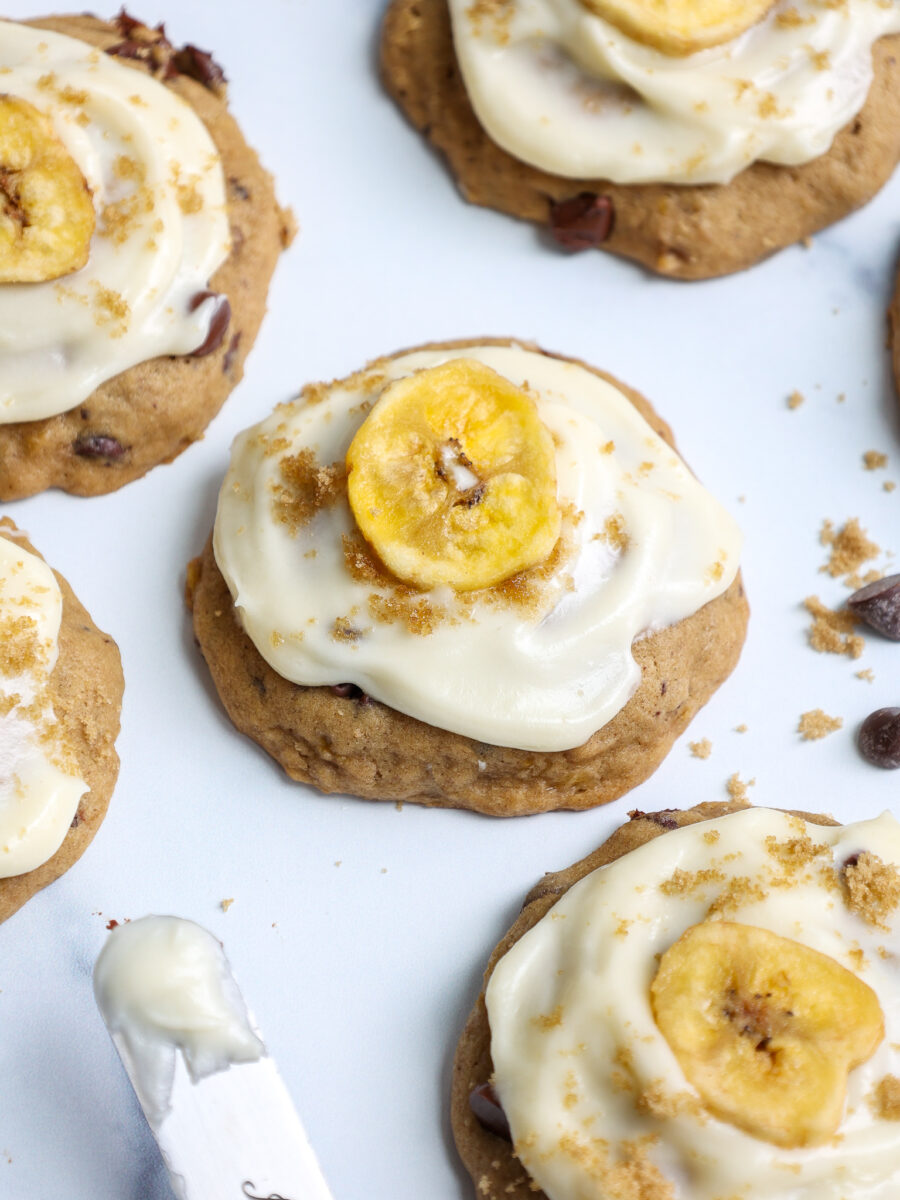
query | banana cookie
(138,234)
(696,139)
(474,575)
(705,1007)
(60,694)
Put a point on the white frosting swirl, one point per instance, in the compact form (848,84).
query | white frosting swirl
(575,1046)
(39,782)
(564,90)
(542,677)
(162,228)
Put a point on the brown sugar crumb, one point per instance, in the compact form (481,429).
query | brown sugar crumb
(817,724)
(126,167)
(873,459)
(548,1021)
(884,1099)
(797,852)
(795,399)
(683,883)
(343,630)
(226,904)
(871,888)
(119,220)
(791,19)
(737,789)
(850,547)
(655,1101)
(20,648)
(742,728)
(738,892)
(701,749)
(306,488)
(110,308)
(868,675)
(419,615)
(711,837)
(614,533)
(496,14)
(832,629)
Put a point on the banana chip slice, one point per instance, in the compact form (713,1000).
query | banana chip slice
(46,208)
(452,478)
(681,27)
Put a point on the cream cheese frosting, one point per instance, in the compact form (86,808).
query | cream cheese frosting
(163,984)
(39,782)
(584,1074)
(559,87)
(162,228)
(643,546)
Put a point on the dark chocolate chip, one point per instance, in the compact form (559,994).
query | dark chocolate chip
(127,49)
(237,188)
(662,818)
(199,65)
(350,691)
(219,322)
(488,1111)
(879,737)
(878,604)
(98,445)
(583,221)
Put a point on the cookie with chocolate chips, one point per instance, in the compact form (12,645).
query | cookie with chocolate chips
(684,231)
(479,1123)
(85,689)
(340,738)
(149,412)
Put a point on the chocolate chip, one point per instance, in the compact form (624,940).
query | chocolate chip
(349,691)
(98,445)
(127,49)
(661,818)
(583,221)
(199,65)
(221,317)
(878,604)
(488,1111)
(879,737)
(237,188)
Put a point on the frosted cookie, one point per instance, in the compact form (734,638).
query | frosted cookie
(60,695)
(694,139)
(472,575)
(704,1007)
(126,325)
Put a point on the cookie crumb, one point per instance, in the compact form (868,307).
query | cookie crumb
(842,396)
(226,904)
(884,1098)
(805,242)
(742,728)
(871,888)
(832,629)
(737,788)
(874,459)
(817,724)
(867,674)
(795,399)
(701,749)
(850,547)
(889,485)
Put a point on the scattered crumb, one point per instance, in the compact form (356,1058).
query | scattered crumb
(740,728)
(384,870)
(795,399)
(701,749)
(832,629)
(867,674)
(112,924)
(398,804)
(871,888)
(805,242)
(817,724)
(873,459)
(842,396)
(338,861)
(885,1098)
(889,485)
(226,904)
(850,547)
(737,789)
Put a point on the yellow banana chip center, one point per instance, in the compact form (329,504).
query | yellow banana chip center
(681,27)
(452,478)
(46,209)
(765,1028)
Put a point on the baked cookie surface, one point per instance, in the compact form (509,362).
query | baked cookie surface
(342,740)
(85,688)
(149,413)
(488,1156)
(683,231)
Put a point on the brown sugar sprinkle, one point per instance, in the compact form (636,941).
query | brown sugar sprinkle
(110,308)
(418,614)
(126,167)
(795,399)
(683,883)
(742,728)
(119,220)
(871,888)
(868,675)
(496,14)
(306,488)
(701,749)
(343,630)
(832,629)
(884,1098)
(548,1021)
(817,724)
(632,1177)
(850,547)
(655,1101)
(614,533)
(738,892)
(873,459)
(797,852)
(20,648)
